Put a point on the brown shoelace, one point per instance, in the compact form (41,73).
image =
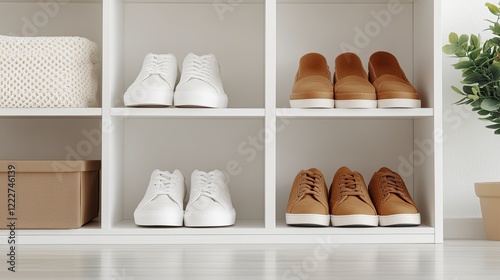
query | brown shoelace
(350,185)
(391,184)
(309,184)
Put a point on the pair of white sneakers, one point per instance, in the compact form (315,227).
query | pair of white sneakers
(200,84)
(163,203)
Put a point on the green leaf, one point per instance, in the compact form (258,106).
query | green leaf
(474,41)
(453,38)
(476,104)
(490,104)
(463,39)
(497,132)
(474,54)
(450,49)
(483,113)
(468,89)
(494,69)
(490,118)
(468,72)
(475,90)
(473,97)
(495,28)
(495,41)
(455,89)
(463,64)
(494,126)
(461,51)
(473,78)
(493,9)
(487,45)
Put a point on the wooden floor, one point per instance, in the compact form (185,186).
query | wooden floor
(453,260)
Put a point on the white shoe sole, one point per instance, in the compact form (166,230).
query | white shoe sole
(157,97)
(157,218)
(312,103)
(400,220)
(354,220)
(307,219)
(210,219)
(197,98)
(399,103)
(355,104)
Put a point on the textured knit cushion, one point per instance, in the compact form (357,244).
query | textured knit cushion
(48,72)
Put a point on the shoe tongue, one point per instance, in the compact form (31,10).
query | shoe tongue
(344,169)
(385,169)
(157,172)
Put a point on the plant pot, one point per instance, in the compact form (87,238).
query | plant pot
(489,196)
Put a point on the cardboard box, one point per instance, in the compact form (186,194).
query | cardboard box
(48,194)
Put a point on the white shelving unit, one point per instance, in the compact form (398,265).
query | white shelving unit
(259,142)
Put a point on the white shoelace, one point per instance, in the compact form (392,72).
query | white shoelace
(207,183)
(199,68)
(156,65)
(165,182)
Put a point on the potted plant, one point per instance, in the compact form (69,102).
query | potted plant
(480,66)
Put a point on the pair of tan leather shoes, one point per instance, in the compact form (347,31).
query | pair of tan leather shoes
(386,85)
(386,202)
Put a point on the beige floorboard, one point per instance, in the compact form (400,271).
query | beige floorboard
(453,260)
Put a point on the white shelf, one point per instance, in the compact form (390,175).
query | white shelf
(240,227)
(354,113)
(185,112)
(211,2)
(282,227)
(247,231)
(61,2)
(259,142)
(51,112)
(344,1)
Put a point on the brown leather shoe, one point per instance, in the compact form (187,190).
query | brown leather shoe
(392,87)
(313,87)
(352,88)
(392,200)
(308,202)
(350,203)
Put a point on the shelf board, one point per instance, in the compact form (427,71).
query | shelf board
(355,113)
(283,228)
(341,1)
(37,1)
(262,1)
(51,112)
(251,231)
(194,1)
(186,112)
(128,227)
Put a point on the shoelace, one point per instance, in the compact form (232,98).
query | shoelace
(199,67)
(391,184)
(207,183)
(164,182)
(157,65)
(309,184)
(350,185)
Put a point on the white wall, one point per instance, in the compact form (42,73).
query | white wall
(471,151)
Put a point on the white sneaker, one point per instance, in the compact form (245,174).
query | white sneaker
(201,83)
(155,83)
(209,201)
(163,202)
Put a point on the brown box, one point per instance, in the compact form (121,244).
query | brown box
(49,194)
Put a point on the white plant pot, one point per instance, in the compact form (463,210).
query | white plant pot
(489,196)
